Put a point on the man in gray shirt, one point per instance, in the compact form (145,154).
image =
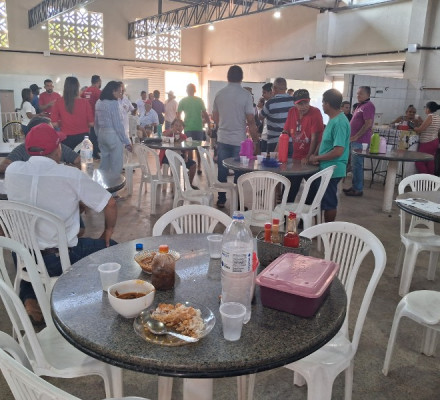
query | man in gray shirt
(232,111)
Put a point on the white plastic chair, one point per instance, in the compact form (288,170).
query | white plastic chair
(419,237)
(423,307)
(263,186)
(25,385)
(48,352)
(213,183)
(129,165)
(151,174)
(185,193)
(305,211)
(346,244)
(20,222)
(191,219)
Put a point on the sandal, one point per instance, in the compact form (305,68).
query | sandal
(34,311)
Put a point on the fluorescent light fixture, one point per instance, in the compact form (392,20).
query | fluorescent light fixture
(211,27)
(44,27)
(277,14)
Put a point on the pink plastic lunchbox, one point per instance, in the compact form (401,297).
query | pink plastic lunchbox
(296,284)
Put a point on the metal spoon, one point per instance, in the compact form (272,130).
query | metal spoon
(159,328)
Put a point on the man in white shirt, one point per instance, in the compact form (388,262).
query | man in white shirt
(45,183)
(150,117)
(170,110)
(126,109)
(141,103)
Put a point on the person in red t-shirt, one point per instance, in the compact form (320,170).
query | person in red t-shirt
(48,98)
(72,114)
(92,94)
(304,124)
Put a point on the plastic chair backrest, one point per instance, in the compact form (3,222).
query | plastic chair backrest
(208,165)
(19,222)
(191,219)
(347,244)
(25,385)
(418,183)
(263,184)
(151,171)
(325,175)
(10,346)
(176,163)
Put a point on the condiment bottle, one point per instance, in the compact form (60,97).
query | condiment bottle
(291,238)
(163,269)
(374,143)
(268,232)
(283,147)
(275,237)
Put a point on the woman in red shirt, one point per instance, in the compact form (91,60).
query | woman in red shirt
(72,114)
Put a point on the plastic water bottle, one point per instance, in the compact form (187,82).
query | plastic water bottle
(86,154)
(238,277)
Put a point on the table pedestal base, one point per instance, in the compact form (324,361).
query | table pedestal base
(390,182)
(197,389)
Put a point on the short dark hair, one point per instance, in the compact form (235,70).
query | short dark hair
(143,92)
(107,92)
(333,98)
(37,121)
(95,79)
(156,94)
(367,89)
(432,106)
(235,74)
(47,81)
(345,102)
(135,106)
(267,87)
(178,120)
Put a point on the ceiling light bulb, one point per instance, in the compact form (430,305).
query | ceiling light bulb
(43,27)
(211,27)
(277,14)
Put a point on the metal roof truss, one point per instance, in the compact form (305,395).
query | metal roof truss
(202,13)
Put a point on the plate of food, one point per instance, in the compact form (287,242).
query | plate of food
(145,258)
(186,318)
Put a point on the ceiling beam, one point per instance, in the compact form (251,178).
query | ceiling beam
(48,9)
(205,12)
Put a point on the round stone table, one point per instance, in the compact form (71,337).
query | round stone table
(429,196)
(290,168)
(393,157)
(271,339)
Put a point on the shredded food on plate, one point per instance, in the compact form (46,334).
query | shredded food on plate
(183,319)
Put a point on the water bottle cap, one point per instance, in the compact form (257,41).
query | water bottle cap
(139,246)
(238,215)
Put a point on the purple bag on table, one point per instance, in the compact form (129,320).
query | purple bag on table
(247,149)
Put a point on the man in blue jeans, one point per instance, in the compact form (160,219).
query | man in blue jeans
(44,182)
(233,109)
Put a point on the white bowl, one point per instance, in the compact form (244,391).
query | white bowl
(130,308)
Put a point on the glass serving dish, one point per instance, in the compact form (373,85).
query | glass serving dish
(142,330)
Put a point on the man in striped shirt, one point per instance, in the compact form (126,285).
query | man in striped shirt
(275,111)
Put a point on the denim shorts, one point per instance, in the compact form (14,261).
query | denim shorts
(330,199)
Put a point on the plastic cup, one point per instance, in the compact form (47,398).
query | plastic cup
(109,273)
(364,147)
(232,320)
(274,154)
(215,245)
(389,148)
(260,158)
(243,159)
(11,141)
(264,154)
(246,162)
(172,140)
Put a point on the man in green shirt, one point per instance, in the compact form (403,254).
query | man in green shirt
(334,150)
(194,110)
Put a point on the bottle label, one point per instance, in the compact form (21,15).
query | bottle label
(86,154)
(236,262)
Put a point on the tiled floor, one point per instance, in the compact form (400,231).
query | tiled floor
(412,375)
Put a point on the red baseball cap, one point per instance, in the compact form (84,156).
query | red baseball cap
(43,139)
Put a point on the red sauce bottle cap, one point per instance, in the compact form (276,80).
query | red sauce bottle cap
(267,226)
(276,221)
(163,248)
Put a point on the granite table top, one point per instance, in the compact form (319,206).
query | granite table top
(271,339)
(396,155)
(433,196)
(290,168)
(178,145)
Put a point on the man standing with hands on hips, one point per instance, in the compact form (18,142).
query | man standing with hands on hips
(333,150)
(360,124)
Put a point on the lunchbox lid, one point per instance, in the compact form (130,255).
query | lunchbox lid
(297,274)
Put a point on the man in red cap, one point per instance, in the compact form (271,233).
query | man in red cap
(44,182)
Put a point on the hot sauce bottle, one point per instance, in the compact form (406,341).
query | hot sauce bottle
(275,236)
(291,238)
(268,232)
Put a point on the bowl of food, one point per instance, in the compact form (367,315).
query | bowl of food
(129,298)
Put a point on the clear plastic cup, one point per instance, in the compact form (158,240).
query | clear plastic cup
(246,162)
(364,147)
(172,140)
(274,155)
(389,148)
(109,273)
(243,159)
(232,320)
(260,158)
(215,245)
